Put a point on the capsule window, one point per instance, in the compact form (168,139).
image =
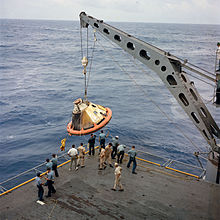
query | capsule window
(117,37)
(171,80)
(105,31)
(96,25)
(193,114)
(157,62)
(130,46)
(202,110)
(184,78)
(193,94)
(183,99)
(163,68)
(144,54)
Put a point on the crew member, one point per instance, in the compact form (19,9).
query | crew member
(40,187)
(132,153)
(102,159)
(48,164)
(115,144)
(54,164)
(102,137)
(73,154)
(91,143)
(82,152)
(108,151)
(121,152)
(118,171)
(50,182)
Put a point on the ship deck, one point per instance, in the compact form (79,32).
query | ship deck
(154,193)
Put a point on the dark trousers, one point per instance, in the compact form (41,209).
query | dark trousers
(50,187)
(40,192)
(54,168)
(114,151)
(120,156)
(132,159)
(102,143)
(91,149)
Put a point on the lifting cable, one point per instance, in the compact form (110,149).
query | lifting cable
(90,67)
(146,95)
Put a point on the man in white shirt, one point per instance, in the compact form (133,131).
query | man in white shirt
(73,153)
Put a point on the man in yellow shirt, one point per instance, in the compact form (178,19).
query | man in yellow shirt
(81,158)
(118,170)
(108,157)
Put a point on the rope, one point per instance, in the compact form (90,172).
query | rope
(90,67)
(87,39)
(49,216)
(132,79)
(81,42)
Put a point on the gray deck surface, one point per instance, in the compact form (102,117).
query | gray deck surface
(154,193)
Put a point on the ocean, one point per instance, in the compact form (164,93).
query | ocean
(41,76)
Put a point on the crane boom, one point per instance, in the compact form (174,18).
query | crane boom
(170,70)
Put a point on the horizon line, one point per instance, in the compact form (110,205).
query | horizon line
(154,22)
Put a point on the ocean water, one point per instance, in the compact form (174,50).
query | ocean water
(41,76)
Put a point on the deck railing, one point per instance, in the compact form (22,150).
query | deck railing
(29,175)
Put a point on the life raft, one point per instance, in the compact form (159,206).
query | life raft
(88,118)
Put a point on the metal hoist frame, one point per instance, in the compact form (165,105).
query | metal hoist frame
(169,69)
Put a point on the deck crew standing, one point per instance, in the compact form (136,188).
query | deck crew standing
(50,182)
(108,151)
(102,137)
(54,164)
(91,143)
(40,187)
(82,152)
(121,152)
(115,144)
(102,159)
(132,153)
(73,154)
(118,170)
(49,164)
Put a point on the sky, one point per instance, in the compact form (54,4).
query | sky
(162,11)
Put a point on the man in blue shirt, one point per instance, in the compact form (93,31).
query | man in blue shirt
(132,153)
(48,164)
(115,144)
(50,182)
(120,154)
(54,164)
(40,187)
(102,137)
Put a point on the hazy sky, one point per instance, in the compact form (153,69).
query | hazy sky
(168,11)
